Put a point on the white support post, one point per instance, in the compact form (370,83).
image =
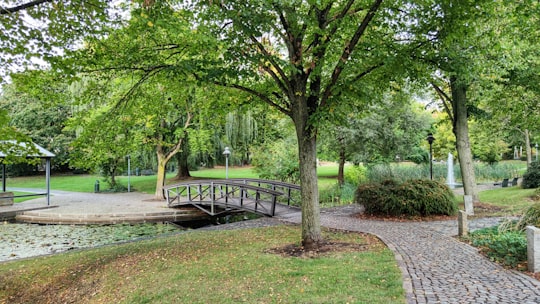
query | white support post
(48,179)
(533,249)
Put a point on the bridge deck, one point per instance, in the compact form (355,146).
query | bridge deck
(216,197)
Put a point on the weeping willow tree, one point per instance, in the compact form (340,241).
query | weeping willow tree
(241,132)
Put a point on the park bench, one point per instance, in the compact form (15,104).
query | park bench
(515,181)
(506,182)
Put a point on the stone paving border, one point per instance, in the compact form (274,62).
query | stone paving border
(436,267)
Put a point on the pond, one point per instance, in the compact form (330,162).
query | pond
(28,240)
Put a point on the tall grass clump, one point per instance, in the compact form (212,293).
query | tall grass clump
(496,171)
(531,217)
(407,171)
(337,195)
(409,198)
(344,194)
(400,172)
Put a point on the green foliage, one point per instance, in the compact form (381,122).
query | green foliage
(531,178)
(337,195)
(406,171)
(536,195)
(418,156)
(531,217)
(277,161)
(402,172)
(38,106)
(43,29)
(409,198)
(355,175)
(508,248)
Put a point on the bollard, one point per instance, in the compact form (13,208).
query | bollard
(463,224)
(96,186)
(468,201)
(533,249)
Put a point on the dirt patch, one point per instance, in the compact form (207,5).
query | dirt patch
(327,247)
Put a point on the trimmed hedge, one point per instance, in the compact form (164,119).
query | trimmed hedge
(418,197)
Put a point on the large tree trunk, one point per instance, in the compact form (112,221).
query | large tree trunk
(307,153)
(461,131)
(161,175)
(528,147)
(311,225)
(182,159)
(342,159)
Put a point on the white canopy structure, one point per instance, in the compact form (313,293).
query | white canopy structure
(22,150)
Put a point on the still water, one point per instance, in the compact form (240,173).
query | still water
(28,240)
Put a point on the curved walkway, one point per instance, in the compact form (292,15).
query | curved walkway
(436,267)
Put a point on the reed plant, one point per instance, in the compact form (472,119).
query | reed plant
(407,171)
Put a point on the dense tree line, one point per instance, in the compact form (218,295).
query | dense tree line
(194,77)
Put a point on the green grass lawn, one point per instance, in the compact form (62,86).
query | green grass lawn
(208,267)
(147,184)
(512,200)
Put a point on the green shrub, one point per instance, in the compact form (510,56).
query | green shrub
(355,175)
(508,248)
(531,178)
(411,198)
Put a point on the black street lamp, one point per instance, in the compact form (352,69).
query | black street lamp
(430,140)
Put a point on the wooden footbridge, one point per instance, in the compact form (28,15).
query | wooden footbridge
(216,197)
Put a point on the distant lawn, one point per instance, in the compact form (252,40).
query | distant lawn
(208,267)
(147,184)
(80,183)
(514,200)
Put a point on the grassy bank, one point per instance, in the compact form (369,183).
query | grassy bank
(210,267)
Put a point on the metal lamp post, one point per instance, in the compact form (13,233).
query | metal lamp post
(430,140)
(129,172)
(227,153)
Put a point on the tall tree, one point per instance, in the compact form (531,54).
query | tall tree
(35,31)
(39,107)
(300,57)
(457,49)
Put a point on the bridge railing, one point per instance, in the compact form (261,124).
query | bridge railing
(225,193)
(291,192)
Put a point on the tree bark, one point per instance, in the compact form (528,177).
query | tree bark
(161,175)
(528,147)
(311,224)
(342,159)
(461,131)
(164,155)
(307,153)
(182,160)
